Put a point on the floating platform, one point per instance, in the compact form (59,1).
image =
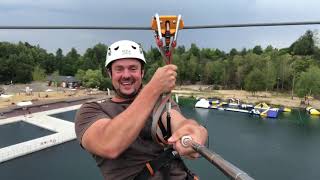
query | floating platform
(64,131)
(312,111)
(261,109)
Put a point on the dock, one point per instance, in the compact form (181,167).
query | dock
(63,132)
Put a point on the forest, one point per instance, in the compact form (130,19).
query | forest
(294,69)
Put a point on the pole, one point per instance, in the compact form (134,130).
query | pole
(226,167)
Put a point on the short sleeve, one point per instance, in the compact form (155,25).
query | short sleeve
(86,116)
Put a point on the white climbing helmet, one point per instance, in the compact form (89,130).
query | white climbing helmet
(124,49)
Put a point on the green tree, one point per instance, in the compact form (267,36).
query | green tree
(217,72)
(80,74)
(49,63)
(70,63)
(207,53)
(38,74)
(94,58)
(151,70)
(192,69)
(22,67)
(270,75)
(243,52)
(105,84)
(240,70)
(257,50)
(194,50)
(305,45)
(92,78)
(254,81)
(59,59)
(55,78)
(233,52)
(153,55)
(309,82)
(181,72)
(268,49)
(180,50)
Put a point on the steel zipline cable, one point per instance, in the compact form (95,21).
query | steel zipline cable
(149,28)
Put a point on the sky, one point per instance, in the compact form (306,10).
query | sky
(140,13)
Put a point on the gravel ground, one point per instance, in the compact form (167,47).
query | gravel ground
(35,86)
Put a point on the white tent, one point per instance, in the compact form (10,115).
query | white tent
(24,103)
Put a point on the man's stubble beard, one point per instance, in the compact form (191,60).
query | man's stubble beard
(127,96)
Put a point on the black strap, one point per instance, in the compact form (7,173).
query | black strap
(162,161)
(190,174)
(168,126)
(163,129)
(166,133)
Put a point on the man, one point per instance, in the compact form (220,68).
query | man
(118,132)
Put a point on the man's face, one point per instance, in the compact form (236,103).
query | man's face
(127,77)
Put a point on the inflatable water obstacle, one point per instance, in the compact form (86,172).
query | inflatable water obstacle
(261,109)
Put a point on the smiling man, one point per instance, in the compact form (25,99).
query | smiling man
(117,132)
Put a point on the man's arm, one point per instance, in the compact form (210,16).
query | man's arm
(109,138)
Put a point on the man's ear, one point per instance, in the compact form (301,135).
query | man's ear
(109,72)
(142,73)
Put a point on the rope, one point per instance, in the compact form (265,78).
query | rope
(149,28)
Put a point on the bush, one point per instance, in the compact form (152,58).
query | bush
(105,83)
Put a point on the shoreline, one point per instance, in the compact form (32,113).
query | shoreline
(271,98)
(195,91)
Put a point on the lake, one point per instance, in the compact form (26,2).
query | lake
(284,148)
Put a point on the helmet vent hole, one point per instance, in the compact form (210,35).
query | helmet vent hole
(133,47)
(116,48)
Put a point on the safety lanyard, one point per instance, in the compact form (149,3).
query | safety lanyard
(166,32)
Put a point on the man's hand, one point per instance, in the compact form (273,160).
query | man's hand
(165,78)
(191,128)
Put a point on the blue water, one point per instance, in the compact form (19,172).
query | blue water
(20,131)
(283,148)
(68,115)
(63,162)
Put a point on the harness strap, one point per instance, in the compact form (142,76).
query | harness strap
(190,174)
(169,133)
(156,120)
(163,130)
(162,161)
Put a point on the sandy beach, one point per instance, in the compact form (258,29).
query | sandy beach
(41,93)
